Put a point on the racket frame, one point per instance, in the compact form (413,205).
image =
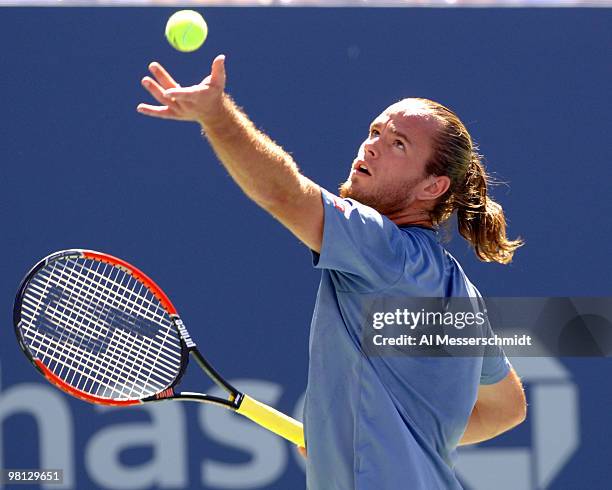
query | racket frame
(188,347)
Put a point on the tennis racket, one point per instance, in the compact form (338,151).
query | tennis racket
(101,330)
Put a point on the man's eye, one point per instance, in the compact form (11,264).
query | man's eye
(374,132)
(399,144)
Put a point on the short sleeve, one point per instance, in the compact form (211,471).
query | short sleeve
(360,243)
(495,366)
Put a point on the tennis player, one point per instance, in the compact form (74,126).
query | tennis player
(375,423)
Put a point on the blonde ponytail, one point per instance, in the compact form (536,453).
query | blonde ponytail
(480,219)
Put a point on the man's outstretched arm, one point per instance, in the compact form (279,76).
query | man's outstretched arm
(262,169)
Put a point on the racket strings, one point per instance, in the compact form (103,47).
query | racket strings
(61,350)
(77,350)
(165,364)
(119,352)
(76,302)
(100,330)
(126,342)
(85,303)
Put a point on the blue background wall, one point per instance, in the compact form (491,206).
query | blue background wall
(80,168)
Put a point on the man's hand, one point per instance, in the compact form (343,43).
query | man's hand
(200,103)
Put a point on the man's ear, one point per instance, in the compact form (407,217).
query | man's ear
(433,187)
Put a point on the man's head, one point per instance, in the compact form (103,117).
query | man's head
(390,172)
(418,165)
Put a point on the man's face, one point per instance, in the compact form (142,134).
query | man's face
(390,164)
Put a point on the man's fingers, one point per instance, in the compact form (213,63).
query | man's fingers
(162,76)
(217,73)
(162,112)
(155,90)
(182,103)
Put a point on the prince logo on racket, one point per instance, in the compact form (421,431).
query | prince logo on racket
(184,333)
(375,422)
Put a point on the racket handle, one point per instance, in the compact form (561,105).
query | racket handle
(273,420)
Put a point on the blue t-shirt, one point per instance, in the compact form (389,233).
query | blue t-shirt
(377,422)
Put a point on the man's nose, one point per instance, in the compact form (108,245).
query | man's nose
(370,149)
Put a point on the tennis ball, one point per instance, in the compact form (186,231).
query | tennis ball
(186,30)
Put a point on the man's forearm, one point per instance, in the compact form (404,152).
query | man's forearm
(485,424)
(262,169)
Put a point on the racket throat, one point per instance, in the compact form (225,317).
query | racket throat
(214,375)
(193,351)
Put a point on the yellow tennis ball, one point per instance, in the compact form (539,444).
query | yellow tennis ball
(186,30)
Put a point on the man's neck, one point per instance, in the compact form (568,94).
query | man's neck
(411,217)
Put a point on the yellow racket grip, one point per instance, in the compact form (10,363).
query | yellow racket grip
(272,419)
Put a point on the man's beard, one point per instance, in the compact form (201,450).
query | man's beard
(385,201)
